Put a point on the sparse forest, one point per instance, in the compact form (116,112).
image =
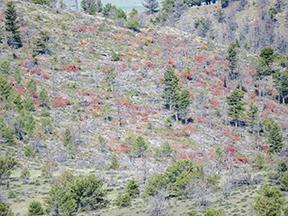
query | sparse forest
(179,108)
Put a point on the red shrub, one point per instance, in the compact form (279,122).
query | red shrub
(230,150)
(61,102)
(149,64)
(270,106)
(46,75)
(200,58)
(20,89)
(71,68)
(241,160)
(189,129)
(122,148)
(172,62)
(87,28)
(214,103)
(201,119)
(36,70)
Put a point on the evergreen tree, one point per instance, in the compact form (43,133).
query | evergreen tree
(236,105)
(252,115)
(275,138)
(152,6)
(232,58)
(11,25)
(138,147)
(91,6)
(40,45)
(171,88)
(281,81)
(5,89)
(183,102)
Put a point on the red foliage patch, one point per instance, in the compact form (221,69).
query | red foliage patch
(46,75)
(71,68)
(189,129)
(36,70)
(20,89)
(61,102)
(230,150)
(187,75)
(270,106)
(172,62)
(122,148)
(235,137)
(241,160)
(214,103)
(86,28)
(264,147)
(200,58)
(201,119)
(149,64)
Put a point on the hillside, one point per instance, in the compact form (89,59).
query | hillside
(91,101)
(254,24)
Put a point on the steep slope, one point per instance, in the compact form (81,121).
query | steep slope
(105,86)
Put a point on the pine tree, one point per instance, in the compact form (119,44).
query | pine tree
(44,98)
(275,138)
(281,82)
(236,105)
(152,6)
(171,88)
(183,102)
(40,45)
(11,25)
(232,58)
(91,6)
(252,115)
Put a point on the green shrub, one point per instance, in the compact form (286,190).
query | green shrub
(269,201)
(137,147)
(25,174)
(132,188)
(259,162)
(282,168)
(114,164)
(284,181)
(123,200)
(7,164)
(12,194)
(212,212)
(115,56)
(29,151)
(164,150)
(5,210)
(70,194)
(35,209)
(154,184)
(175,179)
(42,2)
(5,67)
(133,24)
